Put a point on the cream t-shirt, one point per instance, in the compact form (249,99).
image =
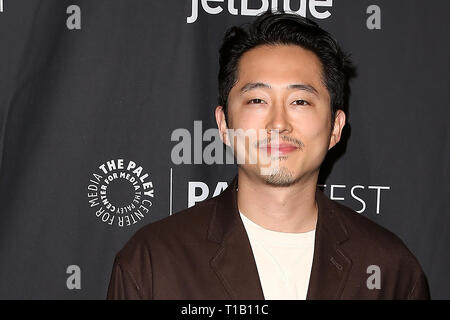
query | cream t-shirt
(283,260)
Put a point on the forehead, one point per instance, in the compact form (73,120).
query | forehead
(280,65)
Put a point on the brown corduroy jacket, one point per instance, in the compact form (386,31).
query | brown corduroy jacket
(203,252)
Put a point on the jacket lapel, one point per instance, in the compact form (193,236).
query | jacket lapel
(235,265)
(330,266)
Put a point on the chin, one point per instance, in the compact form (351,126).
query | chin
(281,177)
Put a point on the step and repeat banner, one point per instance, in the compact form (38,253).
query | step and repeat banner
(102,101)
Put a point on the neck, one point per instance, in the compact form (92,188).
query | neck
(284,209)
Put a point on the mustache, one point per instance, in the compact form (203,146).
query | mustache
(298,143)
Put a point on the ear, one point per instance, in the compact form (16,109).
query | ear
(339,123)
(222,125)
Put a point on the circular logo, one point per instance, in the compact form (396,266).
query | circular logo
(120,192)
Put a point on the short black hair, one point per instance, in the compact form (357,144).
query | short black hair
(281,28)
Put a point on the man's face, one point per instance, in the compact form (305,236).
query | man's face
(280,92)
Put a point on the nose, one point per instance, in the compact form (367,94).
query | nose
(278,121)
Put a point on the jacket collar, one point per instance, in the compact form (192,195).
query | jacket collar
(235,265)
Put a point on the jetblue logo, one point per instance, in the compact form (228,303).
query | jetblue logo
(316,8)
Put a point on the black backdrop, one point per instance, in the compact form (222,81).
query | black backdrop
(116,88)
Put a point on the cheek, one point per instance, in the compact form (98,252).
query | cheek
(314,132)
(247,119)
(314,126)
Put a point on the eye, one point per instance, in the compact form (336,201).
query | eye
(301,102)
(256,101)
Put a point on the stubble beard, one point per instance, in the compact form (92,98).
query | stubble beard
(280,177)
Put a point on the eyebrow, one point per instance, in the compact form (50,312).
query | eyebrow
(254,85)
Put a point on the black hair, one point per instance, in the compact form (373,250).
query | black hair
(281,28)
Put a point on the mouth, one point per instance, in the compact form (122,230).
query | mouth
(283,148)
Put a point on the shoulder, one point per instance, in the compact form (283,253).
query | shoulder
(369,234)
(371,244)
(185,227)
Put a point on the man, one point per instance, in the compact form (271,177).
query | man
(272,234)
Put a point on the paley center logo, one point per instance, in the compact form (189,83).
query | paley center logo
(120,192)
(317,8)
